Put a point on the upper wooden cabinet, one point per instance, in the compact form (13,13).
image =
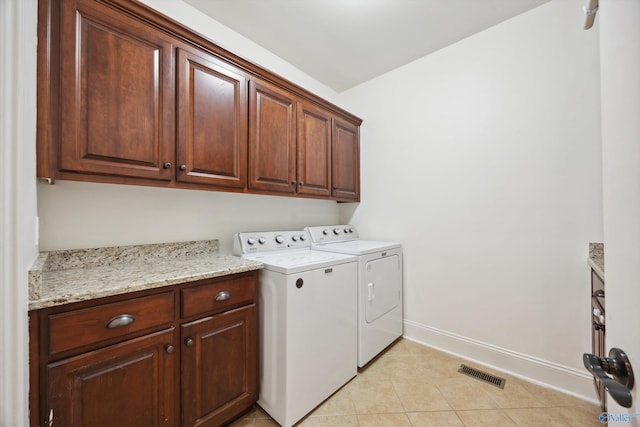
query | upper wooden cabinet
(129,96)
(314,150)
(212,121)
(298,147)
(272,138)
(116,94)
(346,160)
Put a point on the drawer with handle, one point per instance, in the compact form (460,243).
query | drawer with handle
(92,325)
(217,296)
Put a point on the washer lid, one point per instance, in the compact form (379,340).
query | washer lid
(297,261)
(356,247)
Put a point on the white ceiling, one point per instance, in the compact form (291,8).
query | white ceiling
(343,43)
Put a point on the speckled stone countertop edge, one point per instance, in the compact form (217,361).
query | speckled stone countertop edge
(596,258)
(35,276)
(79,275)
(71,294)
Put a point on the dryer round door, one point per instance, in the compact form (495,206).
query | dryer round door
(382,286)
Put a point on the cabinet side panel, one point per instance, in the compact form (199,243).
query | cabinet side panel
(346,160)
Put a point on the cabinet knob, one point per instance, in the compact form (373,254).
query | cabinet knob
(167,165)
(169,348)
(301,183)
(189,342)
(294,182)
(183,167)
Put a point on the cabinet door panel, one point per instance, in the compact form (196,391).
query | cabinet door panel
(272,143)
(130,384)
(116,94)
(314,150)
(212,121)
(219,368)
(346,160)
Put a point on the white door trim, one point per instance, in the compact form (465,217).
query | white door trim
(18,249)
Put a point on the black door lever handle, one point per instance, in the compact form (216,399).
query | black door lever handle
(617,364)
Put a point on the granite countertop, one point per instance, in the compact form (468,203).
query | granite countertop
(61,277)
(596,258)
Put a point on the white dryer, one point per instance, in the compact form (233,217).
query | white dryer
(380,310)
(308,321)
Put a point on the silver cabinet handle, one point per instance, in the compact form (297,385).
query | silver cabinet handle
(223,296)
(189,342)
(120,321)
(169,348)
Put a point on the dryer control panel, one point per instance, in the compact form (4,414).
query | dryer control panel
(264,241)
(332,233)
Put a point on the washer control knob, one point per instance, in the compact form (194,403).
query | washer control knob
(294,238)
(302,238)
(251,241)
(279,239)
(336,231)
(325,231)
(346,230)
(350,230)
(262,240)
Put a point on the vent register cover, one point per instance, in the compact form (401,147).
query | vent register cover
(482,376)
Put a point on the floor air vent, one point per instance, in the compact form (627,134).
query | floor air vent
(482,376)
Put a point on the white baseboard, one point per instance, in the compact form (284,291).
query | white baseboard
(543,372)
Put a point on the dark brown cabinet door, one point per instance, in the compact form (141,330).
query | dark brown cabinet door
(314,150)
(116,94)
(131,384)
(219,367)
(272,138)
(346,160)
(212,121)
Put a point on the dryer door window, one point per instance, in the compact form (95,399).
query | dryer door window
(382,285)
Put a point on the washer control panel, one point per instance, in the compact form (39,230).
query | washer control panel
(332,233)
(263,241)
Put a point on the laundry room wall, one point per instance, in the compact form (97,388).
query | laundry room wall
(81,215)
(483,159)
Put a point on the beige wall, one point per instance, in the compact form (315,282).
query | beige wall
(484,160)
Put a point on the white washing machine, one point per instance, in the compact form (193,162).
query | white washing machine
(308,321)
(379,285)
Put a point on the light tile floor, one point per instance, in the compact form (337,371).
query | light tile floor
(411,385)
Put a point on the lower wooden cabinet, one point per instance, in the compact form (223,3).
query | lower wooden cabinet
(169,366)
(130,384)
(219,367)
